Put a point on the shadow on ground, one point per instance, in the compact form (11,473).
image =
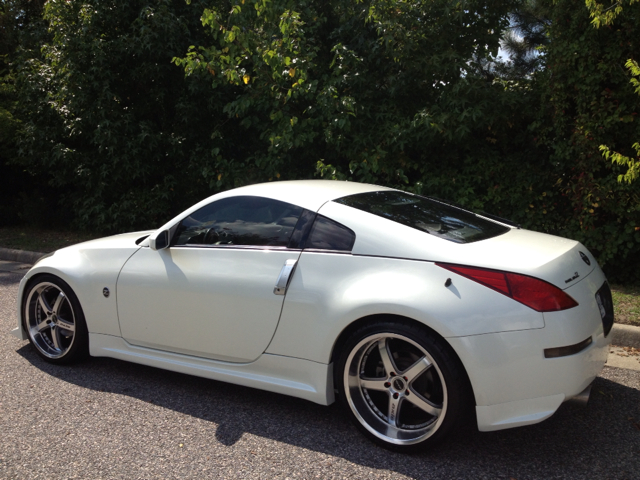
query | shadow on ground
(599,441)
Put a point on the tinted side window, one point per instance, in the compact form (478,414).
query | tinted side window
(329,235)
(249,221)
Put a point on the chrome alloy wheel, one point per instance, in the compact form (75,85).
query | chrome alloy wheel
(50,320)
(395,389)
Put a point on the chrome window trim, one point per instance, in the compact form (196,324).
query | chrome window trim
(237,247)
(320,250)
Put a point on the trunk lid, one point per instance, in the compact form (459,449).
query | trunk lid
(559,261)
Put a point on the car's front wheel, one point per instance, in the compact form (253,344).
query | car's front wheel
(54,320)
(401,385)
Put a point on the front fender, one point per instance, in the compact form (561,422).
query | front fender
(87,268)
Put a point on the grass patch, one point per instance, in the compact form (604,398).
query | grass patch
(40,240)
(626,304)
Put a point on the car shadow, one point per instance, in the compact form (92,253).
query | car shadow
(599,441)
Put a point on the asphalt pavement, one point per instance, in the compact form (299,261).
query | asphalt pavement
(108,419)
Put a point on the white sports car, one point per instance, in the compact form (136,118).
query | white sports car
(413,311)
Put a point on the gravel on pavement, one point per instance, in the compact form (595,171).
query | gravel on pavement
(108,419)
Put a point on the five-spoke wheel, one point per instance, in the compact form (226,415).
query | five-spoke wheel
(401,385)
(54,320)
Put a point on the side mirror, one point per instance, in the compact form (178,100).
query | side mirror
(161,241)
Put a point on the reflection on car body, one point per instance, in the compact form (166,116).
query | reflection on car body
(414,311)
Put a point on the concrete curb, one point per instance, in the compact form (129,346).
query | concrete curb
(21,256)
(625,336)
(621,335)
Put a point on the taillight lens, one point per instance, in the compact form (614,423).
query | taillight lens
(532,292)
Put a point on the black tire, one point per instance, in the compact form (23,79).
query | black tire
(54,321)
(410,400)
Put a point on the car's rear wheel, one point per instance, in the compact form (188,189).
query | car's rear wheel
(54,320)
(401,385)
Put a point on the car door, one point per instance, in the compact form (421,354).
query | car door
(212,293)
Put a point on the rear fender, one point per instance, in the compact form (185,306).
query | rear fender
(330,291)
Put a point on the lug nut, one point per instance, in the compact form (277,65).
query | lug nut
(406,392)
(387,385)
(395,395)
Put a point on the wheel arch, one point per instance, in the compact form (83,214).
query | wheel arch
(87,270)
(69,347)
(338,345)
(26,282)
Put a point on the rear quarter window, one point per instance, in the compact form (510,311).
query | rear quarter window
(427,215)
(329,235)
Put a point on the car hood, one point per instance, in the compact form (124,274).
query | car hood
(103,253)
(123,240)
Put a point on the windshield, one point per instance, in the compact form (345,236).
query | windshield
(425,214)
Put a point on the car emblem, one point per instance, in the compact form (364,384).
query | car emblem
(575,275)
(585,258)
(105,292)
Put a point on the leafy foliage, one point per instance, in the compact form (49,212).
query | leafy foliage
(526,37)
(602,14)
(112,121)
(21,27)
(606,16)
(587,102)
(376,91)
(408,94)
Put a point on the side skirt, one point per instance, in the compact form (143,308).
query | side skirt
(275,373)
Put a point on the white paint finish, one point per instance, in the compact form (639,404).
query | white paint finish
(499,341)
(309,194)
(548,257)
(518,413)
(510,366)
(330,291)
(88,268)
(208,302)
(574,325)
(19,333)
(289,376)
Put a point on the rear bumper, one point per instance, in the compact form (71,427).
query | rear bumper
(514,384)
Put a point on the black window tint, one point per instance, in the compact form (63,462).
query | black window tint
(303,227)
(425,214)
(240,221)
(329,235)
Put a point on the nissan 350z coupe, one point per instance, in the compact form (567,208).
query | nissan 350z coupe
(411,311)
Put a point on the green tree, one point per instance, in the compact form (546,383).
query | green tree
(606,16)
(21,27)
(526,38)
(587,102)
(113,123)
(376,91)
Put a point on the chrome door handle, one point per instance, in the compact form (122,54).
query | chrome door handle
(285,276)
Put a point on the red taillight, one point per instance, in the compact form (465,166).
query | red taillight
(532,292)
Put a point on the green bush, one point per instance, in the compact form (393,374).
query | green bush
(113,123)
(404,94)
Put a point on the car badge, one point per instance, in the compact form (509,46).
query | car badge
(575,275)
(585,258)
(105,292)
